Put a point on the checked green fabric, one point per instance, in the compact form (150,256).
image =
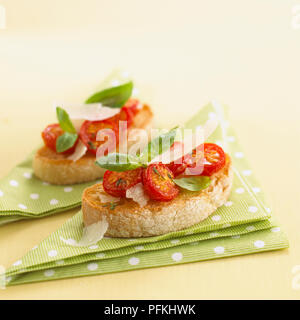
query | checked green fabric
(243,225)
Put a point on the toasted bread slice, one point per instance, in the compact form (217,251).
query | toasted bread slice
(57,169)
(128,219)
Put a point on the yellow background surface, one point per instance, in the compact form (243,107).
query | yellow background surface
(184,53)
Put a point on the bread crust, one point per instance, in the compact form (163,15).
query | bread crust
(57,169)
(128,219)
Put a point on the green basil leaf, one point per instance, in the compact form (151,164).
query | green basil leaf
(66,141)
(64,120)
(114,97)
(158,145)
(119,162)
(193,183)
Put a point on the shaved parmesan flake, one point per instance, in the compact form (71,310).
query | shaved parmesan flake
(105,198)
(79,152)
(91,235)
(92,111)
(138,194)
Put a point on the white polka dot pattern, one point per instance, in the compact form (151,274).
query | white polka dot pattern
(252,209)
(49,273)
(216,218)
(219,250)
(14,183)
(52,253)
(53,202)
(177,256)
(134,261)
(92,266)
(259,244)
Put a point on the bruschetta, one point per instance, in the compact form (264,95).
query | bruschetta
(159,198)
(69,153)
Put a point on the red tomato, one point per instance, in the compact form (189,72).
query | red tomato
(179,165)
(125,115)
(213,160)
(116,183)
(158,183)
(178,168)
(127,112)
(50,135)
(89,129)
(132,105)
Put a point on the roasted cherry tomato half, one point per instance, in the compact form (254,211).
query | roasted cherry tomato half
(125,115)
(127,112)
(179,165)
(208,156)
(50,135)
(116,183)
(132,105)
(158,182)
(88,133)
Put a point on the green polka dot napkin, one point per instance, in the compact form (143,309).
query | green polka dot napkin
(243,225)
(140,257)
(25,196)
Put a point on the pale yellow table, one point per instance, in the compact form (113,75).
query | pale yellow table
(184,53)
